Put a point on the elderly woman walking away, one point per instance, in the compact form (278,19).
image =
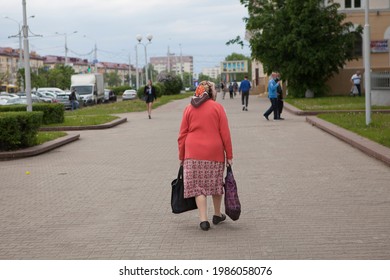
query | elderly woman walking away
(204,147)
(150,96)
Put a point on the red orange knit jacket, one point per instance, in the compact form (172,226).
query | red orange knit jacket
(204,133)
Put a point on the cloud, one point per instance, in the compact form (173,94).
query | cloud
(201,27)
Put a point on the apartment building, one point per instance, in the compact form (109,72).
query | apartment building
(379,20)
(79,65)
(10,64)
(212,72)
(172,63)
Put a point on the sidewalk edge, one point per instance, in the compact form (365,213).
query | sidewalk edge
(365,145)
(39,149)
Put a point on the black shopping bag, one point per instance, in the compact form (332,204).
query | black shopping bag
(180,204)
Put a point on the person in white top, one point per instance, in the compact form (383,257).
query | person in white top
(355,80)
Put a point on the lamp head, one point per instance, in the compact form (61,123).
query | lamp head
(139,38)
(149,37)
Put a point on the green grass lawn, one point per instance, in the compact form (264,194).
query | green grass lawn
(378,130)
(331,103)
(44,136)
(84,120)
(121,107)
(101,114)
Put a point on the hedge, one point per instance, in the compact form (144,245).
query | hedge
(19,129)
(160,90)
(52,112)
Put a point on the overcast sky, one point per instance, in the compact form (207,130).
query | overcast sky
(201,27)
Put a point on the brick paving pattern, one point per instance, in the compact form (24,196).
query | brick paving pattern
(304,195)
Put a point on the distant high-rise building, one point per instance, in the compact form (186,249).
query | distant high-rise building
(212,72)
(172,63)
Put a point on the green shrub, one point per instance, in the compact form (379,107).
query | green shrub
(19,129)
(140,92)
(52,112)
(160,90)
(119,90)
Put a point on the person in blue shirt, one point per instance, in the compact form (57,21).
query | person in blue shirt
(273,97)
(245,86)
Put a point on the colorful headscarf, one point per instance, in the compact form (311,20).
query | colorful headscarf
(204,87)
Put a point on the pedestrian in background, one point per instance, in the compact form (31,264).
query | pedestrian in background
(235,87)
(356,80)
(245,86)
(223,89)
(231,90)
(150,96)
(273,97)
(204,148)
(279,91)
(72,99)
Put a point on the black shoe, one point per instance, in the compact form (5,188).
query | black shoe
(243,108)
(205,225)
(266,117)
(246,109)
(218,219)
(150,117)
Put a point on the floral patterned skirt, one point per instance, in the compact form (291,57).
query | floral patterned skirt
(202,177)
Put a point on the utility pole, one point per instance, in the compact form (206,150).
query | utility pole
(130,84)
(367,63)
(95,60)
(181,64)
(27,71)
(169,61)
(136,67)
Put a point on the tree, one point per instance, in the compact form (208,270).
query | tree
(203,77)
(172,83)
(187,80)
(112,79)
(306,41)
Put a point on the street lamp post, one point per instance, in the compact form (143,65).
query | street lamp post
(95,60)
(139,39)
(367,63)
(27,73)
(19,35)
(66,45)
(136,67)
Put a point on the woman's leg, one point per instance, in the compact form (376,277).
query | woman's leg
(217,200)
(201,202)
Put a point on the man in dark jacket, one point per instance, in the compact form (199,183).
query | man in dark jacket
(72,99)
(245,86)
(279,91)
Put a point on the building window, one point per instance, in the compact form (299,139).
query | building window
(358,47)
(353,4)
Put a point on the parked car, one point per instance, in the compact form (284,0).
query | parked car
(44,98)
(50,89)
(63,98)
(109,95)
(34,98)
(129,94)
(16,101)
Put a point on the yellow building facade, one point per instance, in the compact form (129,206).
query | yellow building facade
(379,21)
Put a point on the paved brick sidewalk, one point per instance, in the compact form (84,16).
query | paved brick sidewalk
(305,195)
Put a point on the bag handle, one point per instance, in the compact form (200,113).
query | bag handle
(229,168)
(180,173)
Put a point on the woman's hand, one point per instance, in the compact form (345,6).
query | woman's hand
(229,162)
